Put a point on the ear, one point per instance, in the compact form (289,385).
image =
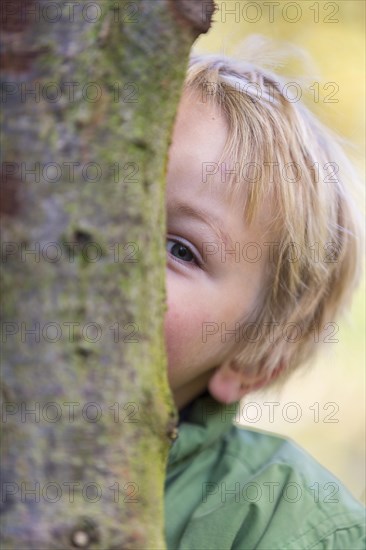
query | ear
(230,383)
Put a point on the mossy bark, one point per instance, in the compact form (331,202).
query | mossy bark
(83,187)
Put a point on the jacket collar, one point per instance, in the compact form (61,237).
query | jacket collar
(201,423)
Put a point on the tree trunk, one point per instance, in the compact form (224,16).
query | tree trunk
(90,91)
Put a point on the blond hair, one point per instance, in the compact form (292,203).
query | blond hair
(313,210)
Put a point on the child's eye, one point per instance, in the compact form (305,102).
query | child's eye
(181,251)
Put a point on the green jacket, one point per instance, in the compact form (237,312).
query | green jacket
(230,487)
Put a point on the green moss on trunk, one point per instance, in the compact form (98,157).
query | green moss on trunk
(99,390)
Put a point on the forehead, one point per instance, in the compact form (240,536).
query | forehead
(199,136)
(196,167)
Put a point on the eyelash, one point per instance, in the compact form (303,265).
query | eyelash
(195,260)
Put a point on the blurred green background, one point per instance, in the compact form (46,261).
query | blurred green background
(331,395)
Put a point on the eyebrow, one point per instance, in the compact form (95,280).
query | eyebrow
(207,218)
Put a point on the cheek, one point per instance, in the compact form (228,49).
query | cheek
(183,328)
(182,332)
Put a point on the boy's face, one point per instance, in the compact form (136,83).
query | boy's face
(205,283)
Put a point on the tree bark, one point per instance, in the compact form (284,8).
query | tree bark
(90,91)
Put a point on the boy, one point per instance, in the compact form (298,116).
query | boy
(254,180)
